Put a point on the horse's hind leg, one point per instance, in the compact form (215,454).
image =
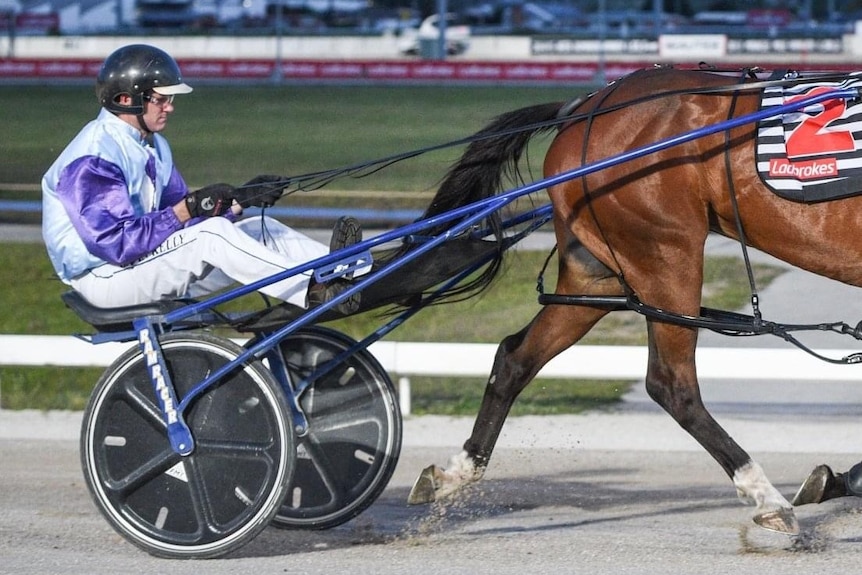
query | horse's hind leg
(672,382)
(519,358)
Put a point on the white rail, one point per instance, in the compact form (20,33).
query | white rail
(404,359)
(475,359)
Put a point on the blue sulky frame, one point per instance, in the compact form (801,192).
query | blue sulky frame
(148,329)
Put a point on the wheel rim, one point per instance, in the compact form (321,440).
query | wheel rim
(354,436)
(205,503)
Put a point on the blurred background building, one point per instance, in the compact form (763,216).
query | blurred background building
(577,18)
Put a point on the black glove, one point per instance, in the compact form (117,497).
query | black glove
(261,191)
(212,200)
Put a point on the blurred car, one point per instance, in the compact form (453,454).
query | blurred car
(457,36)
(492,17)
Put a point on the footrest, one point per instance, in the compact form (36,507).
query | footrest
(344,266)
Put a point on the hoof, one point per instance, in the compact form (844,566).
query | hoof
(813,487)
(781,521)
(424,488)
(820,486)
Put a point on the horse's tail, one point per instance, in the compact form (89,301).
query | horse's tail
(492,155)
(490,159)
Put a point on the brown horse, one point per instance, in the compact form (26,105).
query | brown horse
(639,228)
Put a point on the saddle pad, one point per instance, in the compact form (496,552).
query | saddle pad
(813,154)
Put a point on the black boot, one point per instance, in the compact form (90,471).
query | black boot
(319,294)
(346,232)
(823,485)
(853,480)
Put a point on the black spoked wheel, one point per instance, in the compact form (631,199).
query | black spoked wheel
(351,449)
(227,490)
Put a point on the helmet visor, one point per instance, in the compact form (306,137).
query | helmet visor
(171,90)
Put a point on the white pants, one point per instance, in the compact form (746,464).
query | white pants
(206,257)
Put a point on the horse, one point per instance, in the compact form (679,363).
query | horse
(639,228)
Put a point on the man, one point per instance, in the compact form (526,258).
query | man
(122,228)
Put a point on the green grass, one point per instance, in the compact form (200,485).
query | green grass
(33,306)
(228,134)
(232,133)
(450,396)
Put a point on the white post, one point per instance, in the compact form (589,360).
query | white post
(404,395)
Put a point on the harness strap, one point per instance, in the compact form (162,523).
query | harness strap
(740,230)
(590,118)
(720,321)
(540,280)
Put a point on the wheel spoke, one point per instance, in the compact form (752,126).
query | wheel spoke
(143,405)
(155,466)
(325,472)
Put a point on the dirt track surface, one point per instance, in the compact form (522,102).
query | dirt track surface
(558,499)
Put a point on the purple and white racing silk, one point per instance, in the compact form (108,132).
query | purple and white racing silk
(111,232)
(108,197)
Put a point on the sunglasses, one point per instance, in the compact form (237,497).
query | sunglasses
(160,101)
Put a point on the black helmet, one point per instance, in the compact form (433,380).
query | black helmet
(135,70)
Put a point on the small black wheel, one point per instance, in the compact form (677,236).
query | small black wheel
(227,490)
(351,449)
